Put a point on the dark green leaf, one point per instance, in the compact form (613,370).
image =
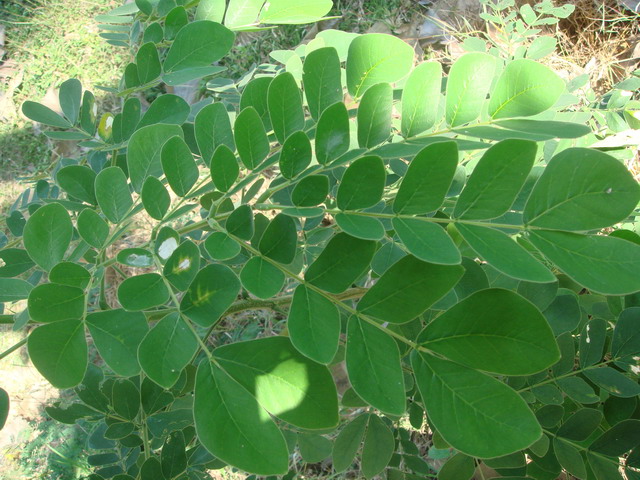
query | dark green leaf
(212,42)
(221,246)
(112,192)
(78,181)
(70,96)
(224,168)
(240,223)
(285,106)
(458,467)
(310,191)
(155,198)
(261,278)
(362,184)
(251,138)
(496,180)
(212,129)
(505,254)
(332,133)
(407,289)
(126,399)
(166,109)
(280,239)
(626,335)
(15,261)
(619,439)
(59,352)
(314,325)
(494,330)
(183,265)
(72,274)
(582,189)
(142,292)
(232,425)
(374,115)
(613,382)
(47,235)
(295,155)
(148,63)
(592,342)
(581,424)
(379,446)
(373,365)
(496,419)
(255,95)
(570,458)
(284,382)
(322,80)
(427,180)
(341,263)
(427,240)
(348,442)
(14,289)
(51,302)
(606,265)
(314,448)
(166,350)
(173,458)
(210,294)
(179,166)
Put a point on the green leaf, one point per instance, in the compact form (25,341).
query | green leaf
(242,13)
(78,181)
(525,88)
(494,330)
(427,240)
(166,109)
(468,83)
(496,180)
(232,425)
(475,413)
(112,192)
(211,40)
(175,20)
(211,10)
(310,191)
(92,228)
(179,166)
(183,265)
(314,448)
(613,382)
(59,352)
(155,198)
(224,168)
(606,265)
(280,239)
(546,127)
(314,325)
(285,106)
(143,152)
(379,446)
(373,366)
(367,228)
(221,246)
(570,458)
(348,442)
(284,382)
(51,302)
(626,334)
(619,439)
(427,180)
(70,97)
(117,335)
(261,278)
(15,261)
(592,340)
(374,115)
(376,58)
(4,407)
(212,129)
(294,12)
(578,390)
(14,289)
(407,289)
(87,112)
(581,424)
(332,133)
(505,254)
(255,95)
(341,263)
(126,399)
(251,138)
(210,294)
(458,467)
(322,80)
(173,457)
(582,189)
(295,155)
(166,350)
(421,98)
(41,114)
(188,74)
(362,184)
(142,292)
(47,235)
(148,62)
(240,223)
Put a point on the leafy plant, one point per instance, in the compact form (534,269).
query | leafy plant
(452,246)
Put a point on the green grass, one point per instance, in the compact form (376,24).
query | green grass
(47,42)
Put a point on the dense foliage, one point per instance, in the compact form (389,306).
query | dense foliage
(447,237)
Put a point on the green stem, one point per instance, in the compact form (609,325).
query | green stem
(13,348)
(568,374)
